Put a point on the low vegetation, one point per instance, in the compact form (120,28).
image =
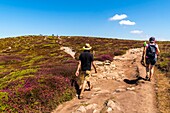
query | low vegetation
(35,75)
(163,78)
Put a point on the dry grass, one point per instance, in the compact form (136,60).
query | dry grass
(163,78)
(163,92)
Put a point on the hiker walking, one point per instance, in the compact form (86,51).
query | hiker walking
(85,62)
(151,52)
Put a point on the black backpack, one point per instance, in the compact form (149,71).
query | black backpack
(151,51)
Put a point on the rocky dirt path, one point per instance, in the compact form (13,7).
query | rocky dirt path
(117,88)
(68,51)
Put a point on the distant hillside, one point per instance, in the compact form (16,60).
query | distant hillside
(35,74)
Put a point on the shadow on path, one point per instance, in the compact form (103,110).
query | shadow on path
(133,81)
(76,86)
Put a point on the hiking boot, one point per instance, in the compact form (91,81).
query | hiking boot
(137,76)
(146,78)
(80,97)
(149,79)
(91,87)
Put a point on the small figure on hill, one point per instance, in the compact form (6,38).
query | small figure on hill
(85,62)
(151,53)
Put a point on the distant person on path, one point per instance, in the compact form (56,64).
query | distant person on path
(151,53)
(85,62)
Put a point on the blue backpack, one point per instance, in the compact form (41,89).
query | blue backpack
(151,51)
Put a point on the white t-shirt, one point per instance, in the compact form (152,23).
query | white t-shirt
(156,45)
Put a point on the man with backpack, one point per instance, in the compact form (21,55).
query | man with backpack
(85,62)
(151,53)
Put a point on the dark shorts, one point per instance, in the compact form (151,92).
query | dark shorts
(151,61)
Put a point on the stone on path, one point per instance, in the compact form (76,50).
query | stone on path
(120,90)
(81,109)
(131,88)
(91,106)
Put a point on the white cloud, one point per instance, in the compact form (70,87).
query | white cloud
(136,32)
(126,22)
(118,17)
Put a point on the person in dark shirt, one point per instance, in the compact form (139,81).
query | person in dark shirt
(85,62)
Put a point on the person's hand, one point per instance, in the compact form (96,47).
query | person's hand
(77,73)
(144,61)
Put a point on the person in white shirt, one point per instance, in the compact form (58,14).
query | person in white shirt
(150,54)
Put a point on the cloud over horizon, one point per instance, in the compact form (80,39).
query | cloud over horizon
(118,17)
(126,22)
(136,32)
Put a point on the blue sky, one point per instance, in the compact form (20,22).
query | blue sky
(125,19)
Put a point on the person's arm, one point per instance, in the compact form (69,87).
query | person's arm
(144,46)
(94,66)
(158,50)
(78,68)
(144,55)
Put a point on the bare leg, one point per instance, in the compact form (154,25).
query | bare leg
(90,85)
(87,78)
(83,87)
(147,70)
(151,70)
(80,86)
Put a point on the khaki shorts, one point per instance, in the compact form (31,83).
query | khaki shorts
(86,75)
